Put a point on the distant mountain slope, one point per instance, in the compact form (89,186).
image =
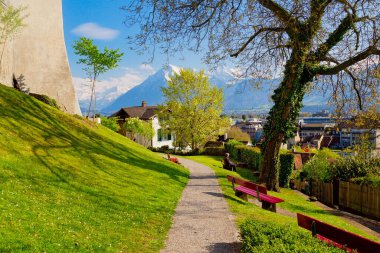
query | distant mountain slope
(68,185)
(238,94)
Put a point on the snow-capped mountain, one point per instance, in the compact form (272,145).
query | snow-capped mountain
(239,94)
(149,91)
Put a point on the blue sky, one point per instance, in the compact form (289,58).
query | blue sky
(102,20)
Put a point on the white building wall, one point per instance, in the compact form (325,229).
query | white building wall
(155,142)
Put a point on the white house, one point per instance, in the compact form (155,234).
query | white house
(149,114)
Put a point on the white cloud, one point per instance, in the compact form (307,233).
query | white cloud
(95,31)
(108,90)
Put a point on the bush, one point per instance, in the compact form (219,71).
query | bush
(354,167)
(268,237)
(237,134)
(251,156)
(230,148)
(111,123)
(214,151)
(286,168)
(214,144)
(45,99)
(320,166)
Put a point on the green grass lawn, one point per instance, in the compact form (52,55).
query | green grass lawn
(67,185)
(293,201)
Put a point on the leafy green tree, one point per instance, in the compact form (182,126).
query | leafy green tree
(335,43)
(192,108)
(136,126)
(111,123)
(11,22)
(95,61)
(237,134)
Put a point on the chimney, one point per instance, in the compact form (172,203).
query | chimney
(143,104)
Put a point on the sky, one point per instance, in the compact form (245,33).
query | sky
(102,21)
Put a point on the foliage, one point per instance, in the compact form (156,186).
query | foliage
(308,41)
(60,173)
(286,168)
(230,148)
(45,99)
(355,167)
(369,179)
(95,61)
(136,126)
(271,237)
(111,123)
(192,108)
(249,155)
(214,151)
(237,134)
(11,22)
(319,167)
(214,144)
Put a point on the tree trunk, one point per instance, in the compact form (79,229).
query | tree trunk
(281,122)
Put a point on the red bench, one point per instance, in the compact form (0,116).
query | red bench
(173,159)
(246,188)
(337,237)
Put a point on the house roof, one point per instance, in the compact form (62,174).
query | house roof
(141,112)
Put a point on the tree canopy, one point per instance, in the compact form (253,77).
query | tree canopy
(95,62)
(334,43)
(192,108)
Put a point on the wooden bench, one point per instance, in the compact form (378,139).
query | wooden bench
(246,188)
(337,237)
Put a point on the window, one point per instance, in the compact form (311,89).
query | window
(162,136)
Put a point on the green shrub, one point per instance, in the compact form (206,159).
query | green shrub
(230,148)
(111,123)
(214,144)
(45,99)
(354,167)
(250,155)
(214,151)
(286,168)
(369,179)
(318,168)
(268,237)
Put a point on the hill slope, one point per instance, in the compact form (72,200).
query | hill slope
(69,185)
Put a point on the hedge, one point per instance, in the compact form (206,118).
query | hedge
(286,168)
(268,237)
(230,148)
(251,156)
(214,151)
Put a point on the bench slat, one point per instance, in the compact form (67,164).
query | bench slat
(263,197)
(247,184)
(338,235)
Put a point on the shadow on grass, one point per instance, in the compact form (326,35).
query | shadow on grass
(52,130)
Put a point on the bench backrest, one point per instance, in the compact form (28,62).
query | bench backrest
(338,235)
(245,183)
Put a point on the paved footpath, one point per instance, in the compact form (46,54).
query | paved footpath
(202,221)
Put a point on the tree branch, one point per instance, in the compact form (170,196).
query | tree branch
(287,19)
(323,70)
(250,39)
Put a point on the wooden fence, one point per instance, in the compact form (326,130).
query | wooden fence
(323,192)
(361,199)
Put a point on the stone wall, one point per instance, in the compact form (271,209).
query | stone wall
(38,53)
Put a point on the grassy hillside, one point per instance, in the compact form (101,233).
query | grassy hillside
(68,185)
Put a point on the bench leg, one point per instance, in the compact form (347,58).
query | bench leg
(241,195)
(268,206)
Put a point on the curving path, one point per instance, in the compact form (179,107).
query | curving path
(202,221)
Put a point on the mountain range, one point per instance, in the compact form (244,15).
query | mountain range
(239,94)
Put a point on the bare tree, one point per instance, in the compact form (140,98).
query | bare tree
(336,42)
